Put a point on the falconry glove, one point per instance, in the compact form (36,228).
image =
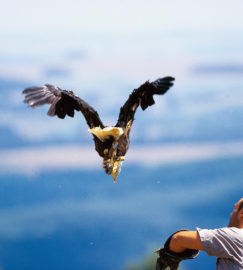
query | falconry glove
(168,258)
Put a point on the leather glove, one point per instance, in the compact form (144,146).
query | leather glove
(168,258)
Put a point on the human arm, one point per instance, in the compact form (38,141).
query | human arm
(185,240)
(171,259)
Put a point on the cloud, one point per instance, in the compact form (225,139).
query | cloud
(179,111)
(34,126)
(31,160)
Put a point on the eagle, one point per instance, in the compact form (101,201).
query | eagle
(111,142)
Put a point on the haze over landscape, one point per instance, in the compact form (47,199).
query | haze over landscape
(58,209)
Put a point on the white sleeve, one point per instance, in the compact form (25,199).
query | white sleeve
(222,243)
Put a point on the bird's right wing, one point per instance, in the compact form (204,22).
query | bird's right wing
(62,103)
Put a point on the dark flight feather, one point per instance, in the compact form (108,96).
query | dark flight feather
(62,103)
(143,96)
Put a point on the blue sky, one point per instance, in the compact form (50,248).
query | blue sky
(102,50)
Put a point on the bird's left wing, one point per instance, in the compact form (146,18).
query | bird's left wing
(62,103)
(143,96)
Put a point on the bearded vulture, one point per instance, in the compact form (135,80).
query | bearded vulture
(111,142)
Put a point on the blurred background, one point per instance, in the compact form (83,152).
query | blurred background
(58,209)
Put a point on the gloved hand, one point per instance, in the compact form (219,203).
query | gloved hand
(168,258)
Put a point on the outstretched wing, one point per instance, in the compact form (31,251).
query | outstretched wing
(142,96)
(62,103)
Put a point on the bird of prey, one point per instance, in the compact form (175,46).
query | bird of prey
(111,142)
